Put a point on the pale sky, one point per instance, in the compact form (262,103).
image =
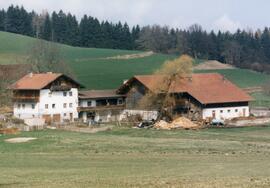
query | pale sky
(211,14)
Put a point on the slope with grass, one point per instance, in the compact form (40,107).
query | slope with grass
(95,70)
(138,158)
(92,67)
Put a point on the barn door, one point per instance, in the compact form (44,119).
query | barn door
(56,118)
(47,119)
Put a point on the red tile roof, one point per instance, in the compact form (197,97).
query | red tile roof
(207,88)
(33,81)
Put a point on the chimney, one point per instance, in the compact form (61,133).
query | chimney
(49,72)
(30,74)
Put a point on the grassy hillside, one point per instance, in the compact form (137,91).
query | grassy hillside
(138,158)
(90,65)
(95,70)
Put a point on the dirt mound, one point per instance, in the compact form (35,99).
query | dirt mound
(180,122)
(20,140)
(212,65)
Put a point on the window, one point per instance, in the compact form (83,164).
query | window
(65,105)
(33,106)
(64,93)
(23,106)
(70,105)
(236,110)
(19,106)
(33,115)
(228,111)
(65,114)
(221,111)
(89,103)
(53,105)
(120,101)
(70,93)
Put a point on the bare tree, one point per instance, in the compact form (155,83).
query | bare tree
(170,73)
(46,57)
(38,22)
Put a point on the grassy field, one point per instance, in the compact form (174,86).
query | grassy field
(89,64)
(138,158)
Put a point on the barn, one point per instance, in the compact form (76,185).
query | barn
(206,95)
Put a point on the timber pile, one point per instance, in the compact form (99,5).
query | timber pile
(180,122)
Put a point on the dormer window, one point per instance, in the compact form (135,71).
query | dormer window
(70,93)
(64,93)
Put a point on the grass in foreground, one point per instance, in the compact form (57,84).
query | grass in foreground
(138,158)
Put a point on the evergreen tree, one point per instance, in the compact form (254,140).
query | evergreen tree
(2,20)
(72,34)
(46,32)
(135,33)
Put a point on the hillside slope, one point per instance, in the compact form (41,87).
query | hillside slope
(102,68)
(94,68)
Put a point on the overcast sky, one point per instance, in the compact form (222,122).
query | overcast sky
(211,14)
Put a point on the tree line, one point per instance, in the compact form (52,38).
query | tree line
(243,48)
(65,28)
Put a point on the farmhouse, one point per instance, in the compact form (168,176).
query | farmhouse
(50,96)
(205,95)
(55,98)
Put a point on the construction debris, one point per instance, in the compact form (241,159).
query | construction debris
(180,122)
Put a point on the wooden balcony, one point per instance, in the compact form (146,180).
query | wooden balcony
(101,108)
(25,98)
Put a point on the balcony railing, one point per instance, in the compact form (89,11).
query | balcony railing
(25,98)
(100,108)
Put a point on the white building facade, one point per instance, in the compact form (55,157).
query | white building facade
(53,97)
(226,113)
(51,104)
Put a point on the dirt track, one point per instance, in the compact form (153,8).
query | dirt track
(132,56)
(212,65)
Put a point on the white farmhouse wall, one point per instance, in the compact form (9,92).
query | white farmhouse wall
(47,97)
(27,111)
(58,99)
(226,112)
